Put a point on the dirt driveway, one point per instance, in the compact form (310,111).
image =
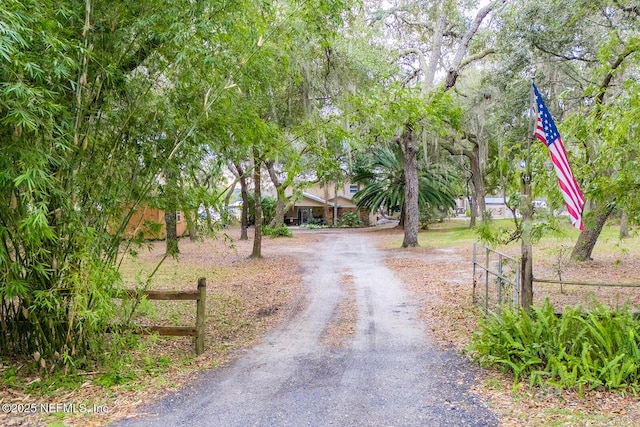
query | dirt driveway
(354,354)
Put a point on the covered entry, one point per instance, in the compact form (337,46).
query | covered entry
(305,214)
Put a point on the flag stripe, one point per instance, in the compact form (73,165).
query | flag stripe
(564,174)
(547,132)
(562,155)
(567,185)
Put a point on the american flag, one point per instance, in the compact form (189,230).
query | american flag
(547,132)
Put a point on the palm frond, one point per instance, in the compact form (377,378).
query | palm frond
(384,183)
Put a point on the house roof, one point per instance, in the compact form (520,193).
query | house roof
(331,202)
(346,198)
(315,198)
(494,200)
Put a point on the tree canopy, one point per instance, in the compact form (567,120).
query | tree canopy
(108,106)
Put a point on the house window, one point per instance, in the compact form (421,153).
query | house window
(353,188)
(178,216)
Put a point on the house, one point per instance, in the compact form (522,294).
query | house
(150,222)
(326,204)
(496,206)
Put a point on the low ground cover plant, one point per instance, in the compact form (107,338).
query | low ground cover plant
(278,231)
(595,348)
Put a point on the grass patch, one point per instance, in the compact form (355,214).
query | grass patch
(448,234)
(440,237)
(457,233)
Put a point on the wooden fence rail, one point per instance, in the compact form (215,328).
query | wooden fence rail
(198,295)
(583,283)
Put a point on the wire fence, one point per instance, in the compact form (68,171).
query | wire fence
(496,285)
(496,279)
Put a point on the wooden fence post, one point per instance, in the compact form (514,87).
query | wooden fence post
(200,314)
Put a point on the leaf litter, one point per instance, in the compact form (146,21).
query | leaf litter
(246,298)
(442,282)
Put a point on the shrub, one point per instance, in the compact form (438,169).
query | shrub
(313,226)
(268,209)
(317,222)
(349,220)
(595,348)
(279,231)
(429,215)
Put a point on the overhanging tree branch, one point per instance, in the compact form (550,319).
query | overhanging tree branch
(630,9)
(562,56)
(456,65)
(614,66)
(476,57)
(421,59)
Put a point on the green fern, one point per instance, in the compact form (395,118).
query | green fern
(577,349)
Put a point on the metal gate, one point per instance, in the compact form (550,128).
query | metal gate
(496,279)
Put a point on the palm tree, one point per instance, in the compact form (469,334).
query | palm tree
(383,179)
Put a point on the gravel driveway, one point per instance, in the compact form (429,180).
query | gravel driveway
(389,374)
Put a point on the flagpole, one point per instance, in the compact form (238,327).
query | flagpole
(526,208)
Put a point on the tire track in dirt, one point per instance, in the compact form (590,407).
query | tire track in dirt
(342,325)
(389,374)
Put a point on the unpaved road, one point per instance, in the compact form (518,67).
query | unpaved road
(388,374)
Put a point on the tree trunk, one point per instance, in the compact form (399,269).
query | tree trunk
(171,185)
(191,224)
(526,275)
(526,266)
(473,209)
(412,209)
(257,239)
(472,214)
(278,218)
(244,215)
(402,217)
(477,204)
(477,177)
(172,232)
(325,206)
(624,225)
(335,205)
(588,238)
(436,52)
